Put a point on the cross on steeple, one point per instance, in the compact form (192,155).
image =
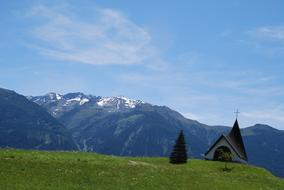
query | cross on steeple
(237,113)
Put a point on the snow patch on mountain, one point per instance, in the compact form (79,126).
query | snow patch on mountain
(104,101)
(118,102)
(84,100)
(58,104)
(58,96)
(79,99)
(54,96)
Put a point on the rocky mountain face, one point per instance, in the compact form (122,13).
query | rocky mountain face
(57,104)
(122,126)
(24,124)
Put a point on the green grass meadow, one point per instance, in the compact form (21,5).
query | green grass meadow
(41,170)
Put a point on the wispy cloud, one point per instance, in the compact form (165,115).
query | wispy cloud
(273,115)
(269,40)
(274,33)
(109,38)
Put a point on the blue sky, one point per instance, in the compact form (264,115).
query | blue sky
(202,58)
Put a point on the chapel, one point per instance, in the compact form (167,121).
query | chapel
(232,143)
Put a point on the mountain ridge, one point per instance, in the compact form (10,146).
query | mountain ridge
(117,127)
(114,100)
(137,101)
(130,131)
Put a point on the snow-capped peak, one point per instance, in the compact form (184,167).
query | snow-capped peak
(54,96)
(118,102)
(130,102)
(71,98)
(59,104)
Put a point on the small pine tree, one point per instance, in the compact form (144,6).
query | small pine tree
(179,153)
(225,157)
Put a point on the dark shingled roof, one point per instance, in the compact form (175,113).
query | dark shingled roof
(234,138)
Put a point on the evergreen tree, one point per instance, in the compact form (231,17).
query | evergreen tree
(179,153)
(225,157)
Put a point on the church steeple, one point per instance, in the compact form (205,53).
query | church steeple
(235,138)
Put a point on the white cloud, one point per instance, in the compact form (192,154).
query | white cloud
(275,33)
(273,115)
(266,40)
(109,38)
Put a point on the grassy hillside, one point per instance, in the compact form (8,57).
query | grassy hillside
(28,170)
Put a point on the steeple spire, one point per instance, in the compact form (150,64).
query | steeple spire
(235,138)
